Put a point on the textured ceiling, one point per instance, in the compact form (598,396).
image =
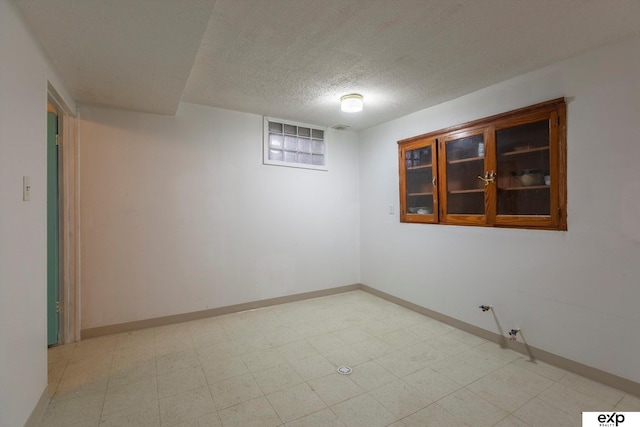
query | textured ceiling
(293,59)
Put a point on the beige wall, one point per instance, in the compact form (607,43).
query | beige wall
(179,215)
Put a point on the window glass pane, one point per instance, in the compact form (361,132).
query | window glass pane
(317,133)
(290,157)
(523,169)
(304,131)
(465,192)
(275,127)
(318,159)
(275,155)
(304,145)
(318,146)
(275,141)
(290,129)
(290,143)
(304,158)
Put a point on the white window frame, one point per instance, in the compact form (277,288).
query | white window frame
(266,146)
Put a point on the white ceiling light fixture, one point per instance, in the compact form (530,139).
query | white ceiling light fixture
(351,103)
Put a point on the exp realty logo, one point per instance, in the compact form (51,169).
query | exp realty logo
(610,419)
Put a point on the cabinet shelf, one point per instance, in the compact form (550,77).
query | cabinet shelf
(417,168)
(525,151)
(468,159)
(472,190)
(430,193)
(529,187)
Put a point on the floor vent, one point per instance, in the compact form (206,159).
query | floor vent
(344,370)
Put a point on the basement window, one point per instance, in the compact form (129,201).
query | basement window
(294,145)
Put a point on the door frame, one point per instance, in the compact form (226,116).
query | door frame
(69,214)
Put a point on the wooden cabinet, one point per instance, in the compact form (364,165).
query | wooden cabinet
(420,200)
(507,170)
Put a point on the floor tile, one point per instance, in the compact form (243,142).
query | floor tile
(458,371)
(353,335)
(73,386)
(335,388)
(218,368)
(94,346)
(538,413)
(281,335)
(85,409)
(297,350)
(120,376)
(541,368)
(429,329)
(512,421)
(186,406)
(433,385)
(168,363)
(472,409)
(371,375)
(363,411)
(295,402)
(433,415)
(326,343)
(629,403)
(252,413)
(131,394)
(180,380)
(261,360)
(449,345)
(346,356)
(400,339)
(209,420)
(399,398)
(373,347)
(313,367)
(572,402)
(277,378)
(145,415)
(323,418)
(593,389)
(510,387)
(401,364)
(235,390)
(144,338)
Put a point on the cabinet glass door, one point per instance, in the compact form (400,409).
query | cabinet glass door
(420,198)
(465,191)
(523,164)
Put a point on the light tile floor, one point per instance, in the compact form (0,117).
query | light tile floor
(277,367)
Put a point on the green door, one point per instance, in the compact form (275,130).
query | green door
(52,230)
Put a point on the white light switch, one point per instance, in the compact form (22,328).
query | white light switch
(391,211)
(26,188)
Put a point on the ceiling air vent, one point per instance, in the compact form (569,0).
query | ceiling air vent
(341,127)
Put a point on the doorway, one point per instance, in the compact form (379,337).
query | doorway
(63,213)
(53,228)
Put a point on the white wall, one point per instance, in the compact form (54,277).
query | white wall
(573,293)
(178,215)
(24,72)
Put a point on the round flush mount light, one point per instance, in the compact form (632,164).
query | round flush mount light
(351,103)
